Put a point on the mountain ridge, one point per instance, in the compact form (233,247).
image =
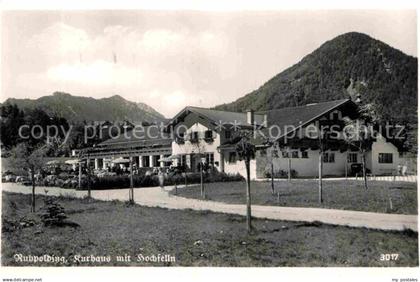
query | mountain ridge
(79,108)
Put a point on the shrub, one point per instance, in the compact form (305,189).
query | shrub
(53,214)
(63,176)
(281,173)
(123,181)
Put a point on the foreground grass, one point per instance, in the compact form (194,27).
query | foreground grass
(195,238)
(342,194)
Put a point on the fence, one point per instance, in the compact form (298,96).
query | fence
(402,178)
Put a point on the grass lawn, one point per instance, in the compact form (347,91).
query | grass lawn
(193,238)
(340,194)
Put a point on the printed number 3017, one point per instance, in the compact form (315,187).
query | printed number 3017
(388,257)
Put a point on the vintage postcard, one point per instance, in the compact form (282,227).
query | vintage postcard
(169,138)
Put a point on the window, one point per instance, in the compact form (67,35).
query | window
(305,154)
(145,161)
(156,161)
(208,134)
(385,158)
(228,134)
(210,159)
(285,154)
(352,158)
(183,160)
(180,139)
(295,154)
(194,137)
(329,158)
(232,157)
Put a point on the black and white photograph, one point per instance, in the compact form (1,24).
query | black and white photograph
(169,138)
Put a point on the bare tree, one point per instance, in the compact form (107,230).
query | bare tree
(285,150)
(321,144)
(272,148)
(131,191)
(199,150)
(31,159)
(246,152)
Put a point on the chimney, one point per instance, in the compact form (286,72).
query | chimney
(250,116)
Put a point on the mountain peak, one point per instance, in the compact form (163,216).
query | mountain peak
(117,97)
(351,62)
(61,94)
(353,35)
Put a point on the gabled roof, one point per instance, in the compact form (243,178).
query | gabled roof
(295,117)
(218,117)
(301,115)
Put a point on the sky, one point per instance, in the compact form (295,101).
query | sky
(171,59)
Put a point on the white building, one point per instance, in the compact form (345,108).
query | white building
(197,135)
(214,135)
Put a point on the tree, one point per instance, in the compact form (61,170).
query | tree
(284,148)
(272,169)
(11,120)
(272,152)
(131,191)
(199,148)
(246,152)
(321,144)
(31,159)
(359,133)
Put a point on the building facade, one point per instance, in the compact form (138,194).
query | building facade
(285,139)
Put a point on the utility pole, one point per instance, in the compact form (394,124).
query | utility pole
(320,163)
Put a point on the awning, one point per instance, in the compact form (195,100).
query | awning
(168,159)
(71,162)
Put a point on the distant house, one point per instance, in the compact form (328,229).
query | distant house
(197,135)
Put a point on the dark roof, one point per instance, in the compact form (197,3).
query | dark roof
(139,136)
(292,118)
(219,117)
(301,115)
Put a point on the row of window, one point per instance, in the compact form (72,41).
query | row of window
(209,159)
(383,158)
(328,157)
(293,154)
(195,135)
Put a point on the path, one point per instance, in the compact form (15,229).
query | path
(155,197)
